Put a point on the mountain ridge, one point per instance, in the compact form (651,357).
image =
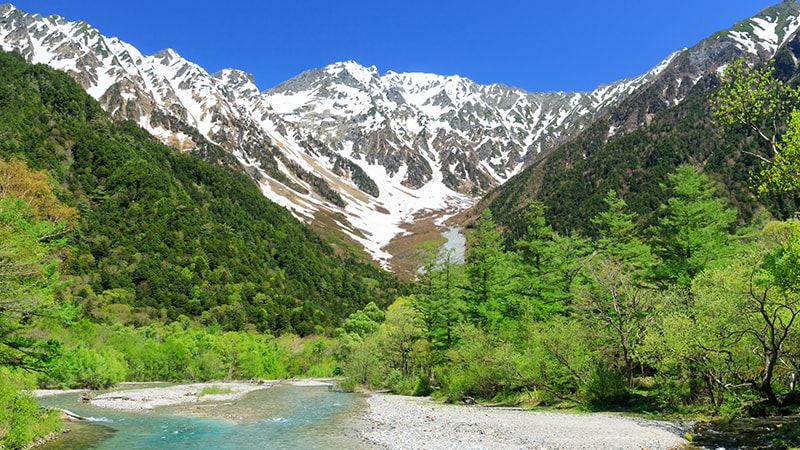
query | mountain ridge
(346,145)
(635,160)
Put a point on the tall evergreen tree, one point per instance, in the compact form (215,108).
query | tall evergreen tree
(547,264)
(693,229)
(488,275)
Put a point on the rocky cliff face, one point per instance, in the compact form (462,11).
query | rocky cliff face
(364,151)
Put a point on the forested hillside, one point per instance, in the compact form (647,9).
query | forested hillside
(572,181)
(162,234)
(647,270)
(653,271)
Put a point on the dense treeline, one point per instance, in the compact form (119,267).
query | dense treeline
(48,340)
(687,300)
(691,312)
(163,234)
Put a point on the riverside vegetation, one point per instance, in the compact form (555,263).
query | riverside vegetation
(124,260)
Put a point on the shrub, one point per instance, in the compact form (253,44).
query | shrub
(82,367)
(605,385)
(214,390)
(21,421)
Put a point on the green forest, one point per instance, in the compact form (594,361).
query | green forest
(687,308)
(122,259)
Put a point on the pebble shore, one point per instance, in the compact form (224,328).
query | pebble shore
(141,397)
(149,398)
(397,422)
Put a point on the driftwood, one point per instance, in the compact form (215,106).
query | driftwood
(71,416)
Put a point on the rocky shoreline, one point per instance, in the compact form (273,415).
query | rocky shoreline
(397,422)
(141,397)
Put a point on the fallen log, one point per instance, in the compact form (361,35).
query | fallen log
(71,416)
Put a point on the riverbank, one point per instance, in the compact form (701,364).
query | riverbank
(397,422)
(139,396)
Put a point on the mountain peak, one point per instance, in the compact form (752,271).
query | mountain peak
(764,33)
(235,77)
(344,144)
(166,56)
(361,74)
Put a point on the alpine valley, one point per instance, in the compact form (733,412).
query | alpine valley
(350,150)
(634,249)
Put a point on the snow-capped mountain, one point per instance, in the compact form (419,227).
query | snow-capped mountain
(348,146)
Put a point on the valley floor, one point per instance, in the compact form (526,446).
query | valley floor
(398,422)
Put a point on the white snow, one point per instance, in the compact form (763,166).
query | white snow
(398,108)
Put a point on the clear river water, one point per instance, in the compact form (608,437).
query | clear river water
(280,417)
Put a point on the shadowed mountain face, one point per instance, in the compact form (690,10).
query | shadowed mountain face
(359,151)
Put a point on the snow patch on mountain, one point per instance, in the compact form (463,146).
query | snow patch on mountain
(370,151)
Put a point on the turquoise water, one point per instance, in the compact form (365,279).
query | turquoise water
(281,417)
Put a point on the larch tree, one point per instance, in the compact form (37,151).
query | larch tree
(693,229)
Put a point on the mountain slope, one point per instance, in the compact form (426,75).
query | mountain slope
(633,147)
(164,234)
(349,149)
(368,151)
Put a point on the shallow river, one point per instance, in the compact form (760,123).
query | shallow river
(281,417)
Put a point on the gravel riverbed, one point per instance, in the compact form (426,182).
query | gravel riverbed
(398,422)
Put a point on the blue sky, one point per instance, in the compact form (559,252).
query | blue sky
(536,45)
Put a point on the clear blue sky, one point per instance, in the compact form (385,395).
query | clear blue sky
(536,45)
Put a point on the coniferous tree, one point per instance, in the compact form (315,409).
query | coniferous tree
(547,264)
(488,276)
(693,229)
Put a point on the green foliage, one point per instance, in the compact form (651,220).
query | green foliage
(754,98)
(547,265)
(693,230)
(697,313)
(783,174)
(363,322)
(437,302)
(162,234)
(310,356)
(21,421)
(364,366)
(31,238)
(605,385)
(85,368)
(487,296)
(213,390)
(480,366)
(99,356)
